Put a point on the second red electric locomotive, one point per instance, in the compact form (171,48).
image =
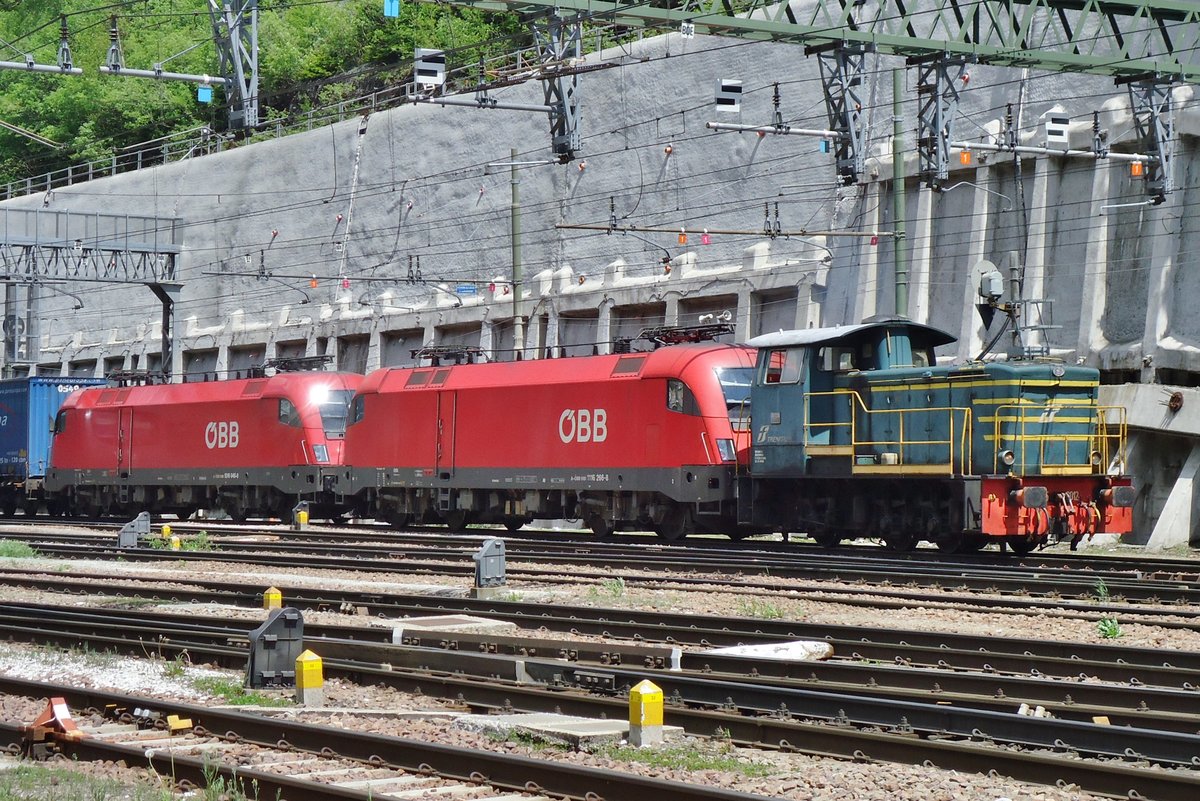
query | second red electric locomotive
(627,441)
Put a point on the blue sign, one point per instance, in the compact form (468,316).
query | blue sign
(204,94)
(391,8)
(465,289)
(824,145)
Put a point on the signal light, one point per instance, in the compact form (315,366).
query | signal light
(874,240)
(345,283)
(492,287)
(682,237)
(312,282)
(1137,169)
(964,157)
(705,239)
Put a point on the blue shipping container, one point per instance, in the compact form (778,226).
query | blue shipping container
(28,407)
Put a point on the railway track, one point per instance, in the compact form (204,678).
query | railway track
(1033,591)
(272,757)
(778,713)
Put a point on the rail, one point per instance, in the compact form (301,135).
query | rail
(901,453)
(1098,433)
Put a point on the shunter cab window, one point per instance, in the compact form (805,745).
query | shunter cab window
(837,359)
(783,366)
(735,385)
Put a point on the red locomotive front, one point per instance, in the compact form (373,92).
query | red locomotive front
(249,446)
(637,440)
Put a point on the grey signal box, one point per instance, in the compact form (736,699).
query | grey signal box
(274,648)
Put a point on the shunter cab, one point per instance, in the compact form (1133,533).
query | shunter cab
(858,432)
(250,447)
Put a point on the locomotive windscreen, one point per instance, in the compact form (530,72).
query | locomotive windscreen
(735,384)
(334,411)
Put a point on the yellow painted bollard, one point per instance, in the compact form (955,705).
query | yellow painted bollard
(174,541)
(310,680)
(645,714)
(166,532)
(272,598)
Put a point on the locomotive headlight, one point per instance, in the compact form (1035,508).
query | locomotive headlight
(1007,458)
(318,395)
(726,449)
(1097,458)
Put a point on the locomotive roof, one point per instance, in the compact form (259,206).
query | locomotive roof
(665,362)
(278,385)
(817,336)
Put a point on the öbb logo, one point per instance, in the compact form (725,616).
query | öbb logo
(583,425)
(221,434)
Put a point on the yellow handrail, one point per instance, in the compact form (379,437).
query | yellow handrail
(958,435)
(1104,442)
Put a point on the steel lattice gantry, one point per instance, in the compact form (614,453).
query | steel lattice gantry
(44,248)
(1148,44)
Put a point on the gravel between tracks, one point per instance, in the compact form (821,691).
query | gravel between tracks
(790,776)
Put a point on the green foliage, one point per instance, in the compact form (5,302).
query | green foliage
(1109,628)
(45,783)
(1101,591)
(310,54)
(688,757)
(231,692)
(609,588)
(16,550)
(760,608)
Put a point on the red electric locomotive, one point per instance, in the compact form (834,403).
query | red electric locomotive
(251,447)
(646,440)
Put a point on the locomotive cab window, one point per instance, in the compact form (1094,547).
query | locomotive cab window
(289,415)
(837,359)
(783,366)
(335,409)
(735,386)
(358,408)
(60,421)
(680,398)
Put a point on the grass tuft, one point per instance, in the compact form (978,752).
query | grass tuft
(16,550)
(687,757)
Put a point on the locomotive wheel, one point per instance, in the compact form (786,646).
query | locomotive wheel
(1021,546)
(901,540)
(457,519)
(677,523)
(514,523)
(398,519)
(951,543)
(600,526)
(826,539)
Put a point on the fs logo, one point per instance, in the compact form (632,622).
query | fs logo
(583,425)
(221,434)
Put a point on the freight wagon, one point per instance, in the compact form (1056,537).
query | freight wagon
(28,407)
